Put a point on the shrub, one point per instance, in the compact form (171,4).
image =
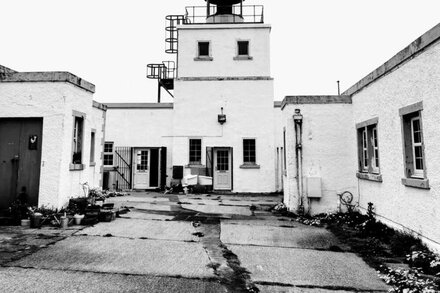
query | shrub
(402,244)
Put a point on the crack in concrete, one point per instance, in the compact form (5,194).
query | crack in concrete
(210,279)
(225,264)
(332,288)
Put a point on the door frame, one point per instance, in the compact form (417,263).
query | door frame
(214,162)
(26,130)
(159,169)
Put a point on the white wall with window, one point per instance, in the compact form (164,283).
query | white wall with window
(65,104)
(241,50)
(406,103)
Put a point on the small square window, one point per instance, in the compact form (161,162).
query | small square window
(203,49)
(243,48)
(195,151)
(249,151)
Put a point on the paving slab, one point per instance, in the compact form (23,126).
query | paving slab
(263,221)
(216,209)
(306,267)
(295,236)
(32,280)
(122,255)
(165,206)
(145,216)
(136,228)
(280,289)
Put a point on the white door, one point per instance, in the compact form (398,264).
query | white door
(222,169)
(142,169)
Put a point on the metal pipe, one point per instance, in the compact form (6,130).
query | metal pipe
(298,120)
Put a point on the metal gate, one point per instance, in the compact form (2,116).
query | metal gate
(123,167)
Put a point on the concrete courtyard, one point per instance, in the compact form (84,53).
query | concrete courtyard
(179,243)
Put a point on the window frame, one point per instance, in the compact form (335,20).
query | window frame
(247,158)
(418,173)
(198,152)
(413,177)
(368,150)
(239,56)
(77,143)
(92,147)
(200,57)
(107,153)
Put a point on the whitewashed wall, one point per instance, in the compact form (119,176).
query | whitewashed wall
(54,102)
(223,40)
(248,105)
(414,81)
(141,127)
(329,152)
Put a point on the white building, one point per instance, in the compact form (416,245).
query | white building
(51,137)
(379,140)
(222,121)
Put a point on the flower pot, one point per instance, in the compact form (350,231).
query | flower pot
(36,220)
(26,223)
(78,219)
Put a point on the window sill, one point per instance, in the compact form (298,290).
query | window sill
(195,165)
(250,166)
(92,164)
(416,183)
(243,58)
(369,176)
(200,58)
(76,167)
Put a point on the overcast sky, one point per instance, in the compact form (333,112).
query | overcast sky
(314,43)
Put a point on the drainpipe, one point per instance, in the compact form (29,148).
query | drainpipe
(298,120)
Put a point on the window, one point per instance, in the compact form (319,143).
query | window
(368,145)
(108,154)
(203,49)
(413,145)
(249,153)
(243,48)
(364,163)
(92,147)
(242,51)
(142,161)
(375,161)
(195,151)
(77,140)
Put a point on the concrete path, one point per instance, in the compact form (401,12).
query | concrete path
(184,244)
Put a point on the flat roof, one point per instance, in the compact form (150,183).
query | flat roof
(298,100)
(139,105)
(416,47)
(55,76)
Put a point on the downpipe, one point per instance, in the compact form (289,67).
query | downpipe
(298,120)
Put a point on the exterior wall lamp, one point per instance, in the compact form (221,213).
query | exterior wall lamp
(222,118)
(298,117)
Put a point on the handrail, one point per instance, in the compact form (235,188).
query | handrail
(244,14)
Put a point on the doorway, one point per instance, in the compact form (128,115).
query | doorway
(222,169)
(20,159)
(146,173)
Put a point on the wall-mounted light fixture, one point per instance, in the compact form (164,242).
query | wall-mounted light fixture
(298,117)
(222,118)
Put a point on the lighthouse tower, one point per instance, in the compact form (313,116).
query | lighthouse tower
(223,120)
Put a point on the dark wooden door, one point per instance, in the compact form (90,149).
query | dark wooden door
(20,159)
